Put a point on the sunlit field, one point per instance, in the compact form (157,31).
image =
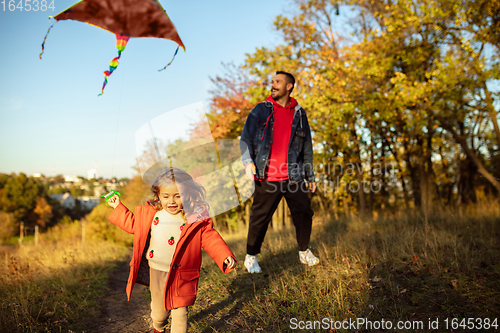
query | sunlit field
(55,286)
(405,269)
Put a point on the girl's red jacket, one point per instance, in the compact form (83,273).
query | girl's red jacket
(182,281)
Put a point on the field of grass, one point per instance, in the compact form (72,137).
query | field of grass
(408,269)
(55,286)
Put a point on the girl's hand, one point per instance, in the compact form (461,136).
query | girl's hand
(114,201)
(230,262)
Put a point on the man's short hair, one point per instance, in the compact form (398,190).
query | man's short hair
(289,78)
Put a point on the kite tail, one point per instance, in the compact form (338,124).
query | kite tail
(121,42)
(43,44)
(170,60)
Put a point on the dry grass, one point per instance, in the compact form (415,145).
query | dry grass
(400,269)
(53,286)
(408,268)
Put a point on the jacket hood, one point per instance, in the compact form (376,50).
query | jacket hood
(293,102)
(199,214)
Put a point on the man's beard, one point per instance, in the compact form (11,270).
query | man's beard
(276,94)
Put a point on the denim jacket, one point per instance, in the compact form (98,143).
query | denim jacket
(257,137)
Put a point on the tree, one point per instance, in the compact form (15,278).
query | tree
(403,83)
(20,196)
(44,212)
(59,179)
(230,103)
(76,191)
(8,225)
(3,179)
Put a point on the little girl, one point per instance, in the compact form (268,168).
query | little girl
(169,232)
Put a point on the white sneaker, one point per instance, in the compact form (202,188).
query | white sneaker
(252,264)
(306,257)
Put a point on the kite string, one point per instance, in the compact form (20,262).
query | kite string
(117,123)
(170,60)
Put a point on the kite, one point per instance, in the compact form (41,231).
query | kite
(125,19)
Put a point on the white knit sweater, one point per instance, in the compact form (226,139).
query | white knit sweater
(165,232)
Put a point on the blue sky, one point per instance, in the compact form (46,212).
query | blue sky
(52,121)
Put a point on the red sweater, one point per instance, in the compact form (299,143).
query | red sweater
(282,129)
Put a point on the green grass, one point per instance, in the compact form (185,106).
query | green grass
(400,269)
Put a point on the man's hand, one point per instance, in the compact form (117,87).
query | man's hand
(250,171)
(312,187)
(230,262)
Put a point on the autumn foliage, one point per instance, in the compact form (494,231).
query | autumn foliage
(401,94)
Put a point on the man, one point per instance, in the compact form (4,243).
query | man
(276,149)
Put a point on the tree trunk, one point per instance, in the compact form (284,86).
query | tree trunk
(472,155)
(346,207)
(492,111)
(414,176)
(359,172)
(324,212)
(446,191)
(465,186)
(248,209)
(383,183)
(335,205)
(394,153)
(288,218)
(229,229)
(275,219)
(426,170)
(241,218)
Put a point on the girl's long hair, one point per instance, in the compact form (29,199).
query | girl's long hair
(193,195)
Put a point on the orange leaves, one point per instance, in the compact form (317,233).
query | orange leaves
(228,116)
(43,210)
(230,102)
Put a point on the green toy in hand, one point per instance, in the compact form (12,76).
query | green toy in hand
(110,195)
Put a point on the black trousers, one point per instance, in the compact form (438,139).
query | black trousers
(266,199)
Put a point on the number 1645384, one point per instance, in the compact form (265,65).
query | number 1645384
(27,5)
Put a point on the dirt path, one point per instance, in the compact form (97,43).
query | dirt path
(116,313)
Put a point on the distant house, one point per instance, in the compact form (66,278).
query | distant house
(71,179)
(88,202)
(99,190)
(65,199)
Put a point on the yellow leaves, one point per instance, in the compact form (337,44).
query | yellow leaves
(398,78)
